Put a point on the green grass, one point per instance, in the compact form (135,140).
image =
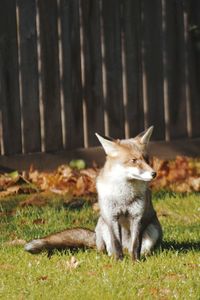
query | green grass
(173,272)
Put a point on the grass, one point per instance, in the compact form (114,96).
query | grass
(172,272)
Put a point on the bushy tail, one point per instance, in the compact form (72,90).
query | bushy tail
(68,239)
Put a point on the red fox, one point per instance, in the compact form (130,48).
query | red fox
(127,217)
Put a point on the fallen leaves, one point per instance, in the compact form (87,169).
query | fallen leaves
(179,175)
(65,180)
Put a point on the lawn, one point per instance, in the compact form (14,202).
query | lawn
(172,272)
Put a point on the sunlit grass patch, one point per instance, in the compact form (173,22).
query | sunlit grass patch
(172,272)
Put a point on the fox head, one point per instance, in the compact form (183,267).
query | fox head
(126,157)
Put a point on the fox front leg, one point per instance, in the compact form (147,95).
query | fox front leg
(136,239)
(115,232)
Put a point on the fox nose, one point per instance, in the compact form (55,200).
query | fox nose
(153,174)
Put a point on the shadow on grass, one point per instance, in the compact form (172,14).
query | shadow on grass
(9,205)
(181,246)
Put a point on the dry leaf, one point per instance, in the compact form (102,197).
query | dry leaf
(192,265)
(35,200)
(39,221)
(6,266)
(194,183)
(57,191)
(8,213)
(96,207)
(92,273)
(80,186)
(72,263)
(16,242)
(12,190)
(108,266)
(42,278)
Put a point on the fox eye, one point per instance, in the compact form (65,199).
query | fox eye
(134,160)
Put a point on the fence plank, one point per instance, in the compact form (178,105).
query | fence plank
(152,65)
(112,38)
(69,14)
(92,91)
(50,74)
(194,64)
(175,62)
(29,75)
(112,66)
(9,94)
(131,27)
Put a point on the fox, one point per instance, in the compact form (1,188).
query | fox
(127,218)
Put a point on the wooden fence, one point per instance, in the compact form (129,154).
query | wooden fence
(69,68)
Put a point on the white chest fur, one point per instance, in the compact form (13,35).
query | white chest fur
(121,197)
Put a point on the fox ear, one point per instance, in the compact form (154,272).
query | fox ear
(145,136)
(108,145)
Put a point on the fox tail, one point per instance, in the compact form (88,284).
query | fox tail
(74,238)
